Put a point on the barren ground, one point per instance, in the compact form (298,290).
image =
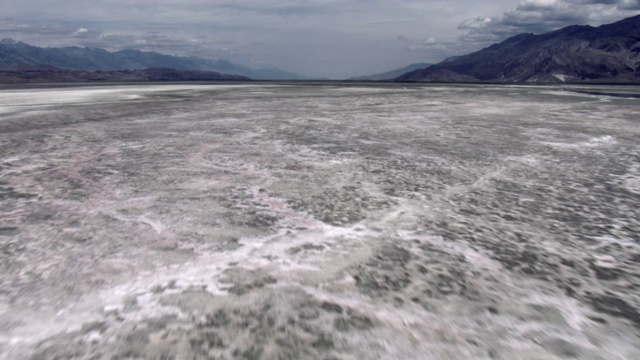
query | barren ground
(320,222)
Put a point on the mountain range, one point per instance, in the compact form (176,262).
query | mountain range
(144,75)
(17,56)
(390,75)
(607,54)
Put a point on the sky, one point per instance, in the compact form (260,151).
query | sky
(318,38)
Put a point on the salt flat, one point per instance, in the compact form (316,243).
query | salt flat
(320,221)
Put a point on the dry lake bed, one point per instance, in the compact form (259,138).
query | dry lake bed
(320,221)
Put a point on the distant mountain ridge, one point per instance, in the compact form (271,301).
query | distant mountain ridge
(15,55)
(30,76)
(608,53)
(390,75)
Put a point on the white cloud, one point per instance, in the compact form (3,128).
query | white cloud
(430,41)
(475,23)
(629,4)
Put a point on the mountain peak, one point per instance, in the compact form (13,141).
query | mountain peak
(7,41)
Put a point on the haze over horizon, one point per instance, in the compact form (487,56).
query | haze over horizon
(323,38)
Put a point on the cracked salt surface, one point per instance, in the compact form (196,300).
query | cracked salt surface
(335,221)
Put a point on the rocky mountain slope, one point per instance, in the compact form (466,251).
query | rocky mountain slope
(608,53)
(390,75)
(15,55)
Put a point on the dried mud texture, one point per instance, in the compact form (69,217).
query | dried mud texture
(320,221)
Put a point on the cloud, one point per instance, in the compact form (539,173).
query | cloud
(430,41)
(10,27)
(629,4)
(475,23)
(84,33)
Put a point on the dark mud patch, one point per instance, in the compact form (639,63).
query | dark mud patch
(305,248)
(613,305)
(385,272)
(245,281)
(340,207)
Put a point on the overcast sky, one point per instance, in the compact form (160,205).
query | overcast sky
(328,38)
